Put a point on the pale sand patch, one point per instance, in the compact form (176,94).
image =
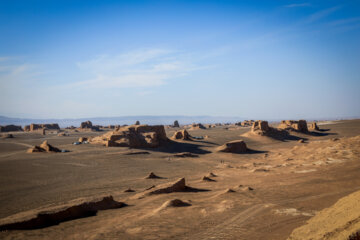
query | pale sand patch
(293,212)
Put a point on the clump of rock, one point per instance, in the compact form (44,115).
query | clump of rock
(83,139)
(10,128)
(176,186)
(59,214)
(300,126)
(196,126)
(181,135)
(176,124)
(44,147)
(136,136)
(260,127)
(88,126)
(237,146)
(314,126)
(175,203)
(247,123)
(34,127)
(152,176)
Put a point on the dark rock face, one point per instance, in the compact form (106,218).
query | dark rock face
(35,127)
(176,124)
(10,128)
(181,135)
(44,147)
(47,219)
(237,146)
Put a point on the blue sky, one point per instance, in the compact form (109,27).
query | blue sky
(256,59)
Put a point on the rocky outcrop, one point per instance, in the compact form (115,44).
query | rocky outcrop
(238,124)
(152,176)
(88,126)
(44,147)
(261,127)
(136,136)
(196,126)
(59,214)
(314,127)
(10,128)
(237,146)
(247,123)
(299,126)
(137,123)
(83,139)
(176,186)
(181,135)
(35,127)
(176,124)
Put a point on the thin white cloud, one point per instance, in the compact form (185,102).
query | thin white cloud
(16,71)
(295,5)
(345,21)
(141,68)
(320,15)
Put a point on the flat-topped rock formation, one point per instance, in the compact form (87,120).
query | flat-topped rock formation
(181,135)
(237,146)
(88,126)
(44,147)
(300,126)
(247,123)
(260,127)
(35,127)
(10,128)
(136,136)
(56,215)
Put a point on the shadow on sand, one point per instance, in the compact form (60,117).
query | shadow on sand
(283,135)
(320,134)
(192,189)
(178,147)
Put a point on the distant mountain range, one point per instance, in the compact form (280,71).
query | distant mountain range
(165,120)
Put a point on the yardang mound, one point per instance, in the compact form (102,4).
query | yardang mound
(60,214)
(197,126)
(300,126)
(181,135)
(44,147)
(136,136)
(10,128)
(35,127)
(237,146)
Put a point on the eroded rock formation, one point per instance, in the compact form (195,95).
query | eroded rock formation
(136,136)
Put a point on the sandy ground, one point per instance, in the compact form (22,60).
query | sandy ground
(291,182)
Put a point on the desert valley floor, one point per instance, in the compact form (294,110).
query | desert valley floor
(263,194)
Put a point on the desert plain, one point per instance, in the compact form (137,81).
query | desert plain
(274,190)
